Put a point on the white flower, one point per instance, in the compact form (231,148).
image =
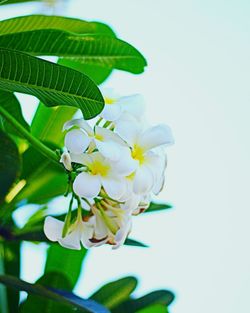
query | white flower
(77,140)
(116,106)
(79,232)
(101,173)
(142,143)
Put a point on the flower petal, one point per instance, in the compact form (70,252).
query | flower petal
(122,234)
(87,185)
(72,240)
(82,158)
(66,161)
(111,112)
(143,181)
(80,123)
(76,141)
(133,104)
(156,136)
(128,131)
(114,186)
(53,228)
(126,165)
(109,149)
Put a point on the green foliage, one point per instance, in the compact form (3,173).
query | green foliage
(70,266)
(66,298)
(10,164)
(10,103)
(158,297)
(156,308)
(115,292)
(23,73)
(158,207)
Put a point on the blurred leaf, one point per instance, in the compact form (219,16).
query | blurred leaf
(10,103)
(162,297)
(53,84)
(39,22)
(37,304)
(10,164)
(60,296)
(157,308)
(135,243)
(12,267)
(158,207)
(66,261)
(16,1)
(47,123)
(115,292)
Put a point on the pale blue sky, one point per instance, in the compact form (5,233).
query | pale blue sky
(197,81)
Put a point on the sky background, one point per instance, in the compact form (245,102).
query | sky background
(197,81)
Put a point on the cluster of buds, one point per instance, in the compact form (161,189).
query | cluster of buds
(116,166)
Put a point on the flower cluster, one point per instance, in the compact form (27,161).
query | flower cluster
(114,167)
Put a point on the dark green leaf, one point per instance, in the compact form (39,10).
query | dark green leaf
(10,164)
(162,297)
(135,243)
(114,293)
(60,296)
(10,103)
(158,207)
(12,267)
(71,265)
(53,84)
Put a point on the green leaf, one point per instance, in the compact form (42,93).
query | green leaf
(96,72)
(134,243)
(10,164)
(10,103)
(115,292)
(157,308)
(162,297)
(47,123)
(12,267)
(40,22)
(60,296)
(106,51)
(53,84)
(158,207)
(71,265)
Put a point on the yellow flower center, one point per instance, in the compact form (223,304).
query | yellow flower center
(138,154)
(99,137)
(98,168)
(109,100)
(131,176)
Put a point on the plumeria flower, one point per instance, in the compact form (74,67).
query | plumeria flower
(116,106)
(142,143)
(79,232)
(113,225)
(81,136)
(101,173)
(66,160)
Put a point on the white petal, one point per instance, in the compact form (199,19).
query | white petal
(111,112)
(66,161)
(133,104)
(72,240)
(114,187)
(87,233)
(82,158)
(122,234)
(128,131)
(132,203)
(87,185)
(109,149)
(80,123)
(108,135)
(76,141)
(143,181)
(101,230)
(53,228)
(156,136)
(126,165)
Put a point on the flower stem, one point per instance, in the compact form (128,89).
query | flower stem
(29,137)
